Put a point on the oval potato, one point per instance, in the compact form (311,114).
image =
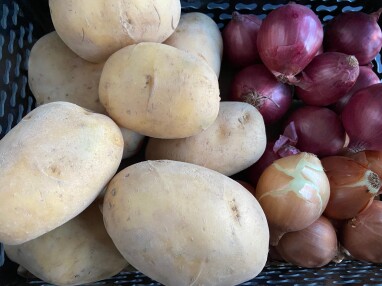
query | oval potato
(198,34)
(79,251)
(235,141)
(56,73)
(159,91)
(95,29)
(54,163)
(182,224)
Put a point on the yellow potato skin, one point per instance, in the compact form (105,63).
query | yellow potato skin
(235,141)
(56,73)
(199,35)
(182,224)
(79,251)
(96,29)
(159,91)
(54,163)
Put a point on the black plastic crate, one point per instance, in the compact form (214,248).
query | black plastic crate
(23,22)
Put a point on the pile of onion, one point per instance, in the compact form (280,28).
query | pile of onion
(318,181)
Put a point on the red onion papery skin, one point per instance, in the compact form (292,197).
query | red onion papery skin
(319,130)
(327,78)
(362,119)
(362,235)
(320,50)
(311,247)
(253,173)
(365,78)
(240,40)
(273,151)
(257,86)
(288,39)
(354,33)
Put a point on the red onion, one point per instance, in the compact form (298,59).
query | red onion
(365,78)
(319,130)
(240,40)
(362,235)
(355,33)
(256,85)
(283,148)
(314,246)
(327,78)
(362,119)
(253,173)
(320,50)
(288,39)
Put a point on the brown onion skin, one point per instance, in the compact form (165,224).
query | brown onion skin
(371,160)
(362,235)
(257,86)
(365,78)
(240,40)
(311,247)
(288,39)
(315,127)
(362,119)
(354,33)
(349,191)
(293,192)
(327,78)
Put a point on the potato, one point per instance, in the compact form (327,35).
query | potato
(159,91)
(182,224)
(198,34)
(53,164)
(55,73)
(235,141)
(79,251)
(96,29)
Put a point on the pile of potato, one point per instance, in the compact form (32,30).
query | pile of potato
(116,77)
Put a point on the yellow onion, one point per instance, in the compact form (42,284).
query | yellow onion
(293,192)
(362,235)
(313,246)
(371,160)
(352,187)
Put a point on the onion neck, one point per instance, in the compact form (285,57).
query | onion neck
(236,16)
(352,61)
(375,15)
(373,182)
